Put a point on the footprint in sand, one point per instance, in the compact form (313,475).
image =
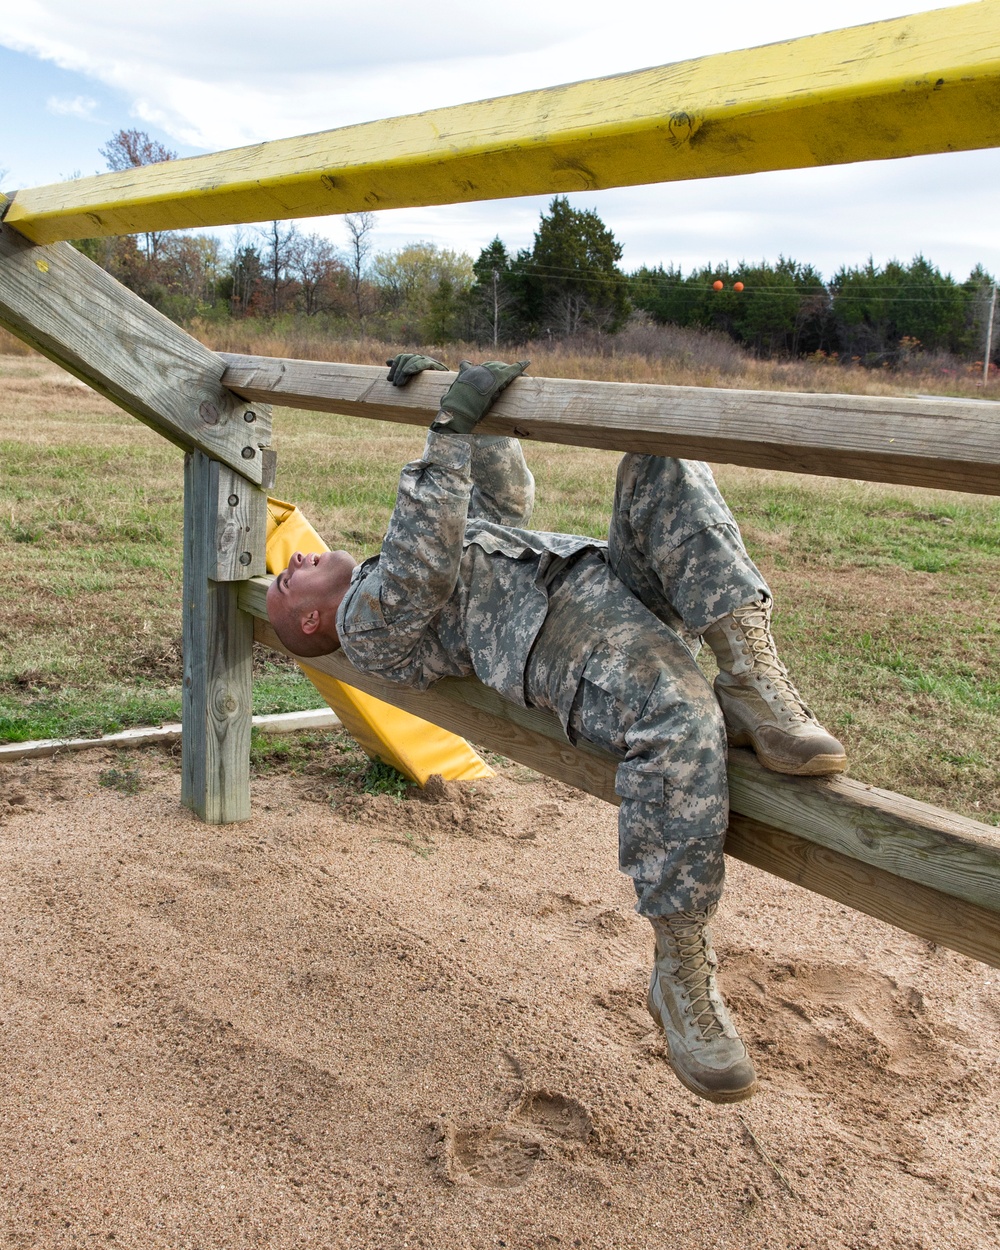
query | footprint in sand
(503,1155)
(823,1016)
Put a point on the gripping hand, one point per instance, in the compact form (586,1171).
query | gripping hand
(471,395)
(408,364)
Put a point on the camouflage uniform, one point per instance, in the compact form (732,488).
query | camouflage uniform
(601,634)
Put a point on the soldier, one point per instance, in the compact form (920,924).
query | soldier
(603,635)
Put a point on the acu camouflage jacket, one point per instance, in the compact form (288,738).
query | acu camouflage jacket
(458,589)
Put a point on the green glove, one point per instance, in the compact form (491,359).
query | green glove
(471,395)
(408,364)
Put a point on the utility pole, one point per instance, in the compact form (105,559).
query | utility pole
(989,336)
(496,306)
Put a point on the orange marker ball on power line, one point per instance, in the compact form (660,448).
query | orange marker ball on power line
(737,286)
(717,285)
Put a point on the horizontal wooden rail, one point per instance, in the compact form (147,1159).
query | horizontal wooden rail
(913,85)
(945,443)
(922,869)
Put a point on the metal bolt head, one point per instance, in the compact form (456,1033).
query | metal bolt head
(248,453)
(233,500)
(249,416)
(245,557)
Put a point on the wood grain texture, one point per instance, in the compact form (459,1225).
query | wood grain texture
(240,526)
(926,83)
(910,842)
(79,316)
(943,443)
(941,918)
(217,695)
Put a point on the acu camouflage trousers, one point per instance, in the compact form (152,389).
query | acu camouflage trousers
(675,564)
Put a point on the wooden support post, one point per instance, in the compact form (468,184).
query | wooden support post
(224,532)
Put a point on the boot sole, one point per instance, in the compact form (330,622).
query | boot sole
(817,766)
(711,1095)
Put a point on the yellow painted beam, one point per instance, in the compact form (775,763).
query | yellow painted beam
(913,85)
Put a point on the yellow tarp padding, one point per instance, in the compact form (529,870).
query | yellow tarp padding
(417,748)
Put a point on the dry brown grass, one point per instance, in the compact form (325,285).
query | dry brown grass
(668,355)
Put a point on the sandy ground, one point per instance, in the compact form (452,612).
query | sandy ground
(398,1023)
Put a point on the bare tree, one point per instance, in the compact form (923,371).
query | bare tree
(359,229)
(317,266)
(281,243)
(129,149)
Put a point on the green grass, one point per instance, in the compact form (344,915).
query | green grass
(888,599)
(124,780)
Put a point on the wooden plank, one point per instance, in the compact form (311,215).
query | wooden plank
(536,739)
(240,533)
(927,83)
(320,718)
(79,316)
(962,926)
(944,443)
(895,834)
(217,695)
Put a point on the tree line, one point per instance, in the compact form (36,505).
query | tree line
(568,282)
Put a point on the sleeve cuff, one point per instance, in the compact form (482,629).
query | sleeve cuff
(452,451)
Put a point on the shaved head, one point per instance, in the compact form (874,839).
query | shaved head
(302,601)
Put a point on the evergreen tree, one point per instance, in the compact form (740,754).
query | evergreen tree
(571,280)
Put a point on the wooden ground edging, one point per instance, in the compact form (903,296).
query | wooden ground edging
(915,866)
(944,443)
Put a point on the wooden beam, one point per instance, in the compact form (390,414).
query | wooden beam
(239,511)
(945,443)
(76,314)
(926,83)
(217,697)
(925,870)
(941,918)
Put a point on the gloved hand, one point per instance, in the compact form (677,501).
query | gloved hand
(408,364)
(471,395)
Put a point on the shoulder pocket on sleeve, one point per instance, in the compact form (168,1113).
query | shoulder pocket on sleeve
(365,612)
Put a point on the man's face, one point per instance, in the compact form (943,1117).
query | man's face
(307,594)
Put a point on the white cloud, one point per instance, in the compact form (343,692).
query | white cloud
(224,73)
(79,106)
(221,74)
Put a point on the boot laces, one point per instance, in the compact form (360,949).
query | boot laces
(754,622)
(695,971)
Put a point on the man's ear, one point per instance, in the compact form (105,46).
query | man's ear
(310,622)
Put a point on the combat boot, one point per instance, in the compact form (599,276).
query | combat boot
(762,708)
(706,1052)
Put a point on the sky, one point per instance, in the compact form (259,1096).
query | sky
(202,75)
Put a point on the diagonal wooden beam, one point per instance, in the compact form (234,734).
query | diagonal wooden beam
(945,443)
(925,870)
(926,83)
(76,314)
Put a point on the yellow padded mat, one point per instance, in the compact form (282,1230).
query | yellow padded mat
(416,747)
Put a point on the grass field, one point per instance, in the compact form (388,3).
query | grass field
(888,598)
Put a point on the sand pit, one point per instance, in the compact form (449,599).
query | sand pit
(355,1021)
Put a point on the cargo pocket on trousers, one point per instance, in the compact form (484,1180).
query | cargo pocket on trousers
(630,783)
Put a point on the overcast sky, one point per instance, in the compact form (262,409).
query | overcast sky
(200,76)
